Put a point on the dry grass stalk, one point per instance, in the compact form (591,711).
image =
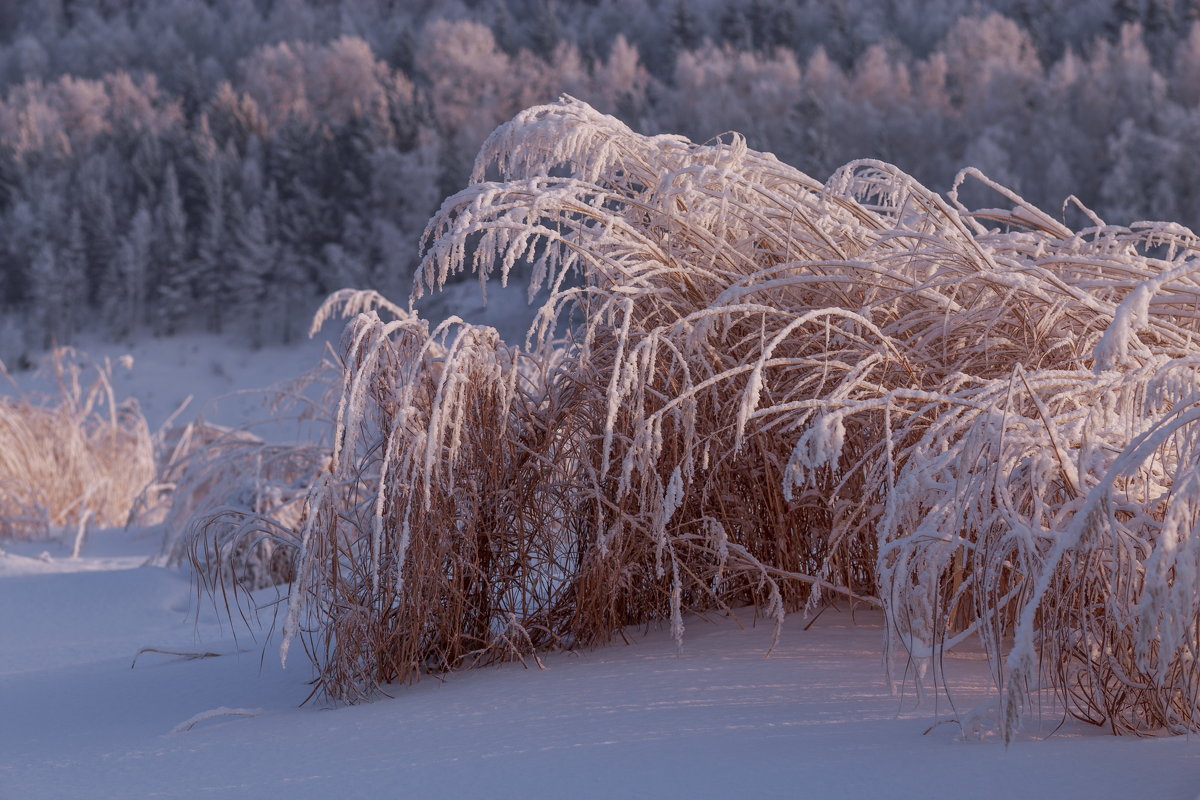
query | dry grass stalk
(73,460)
(235,503)
(230,503)
(772,390)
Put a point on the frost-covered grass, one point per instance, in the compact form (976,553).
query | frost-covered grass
(225,489)
(79,456)
(73,459)
(771,391)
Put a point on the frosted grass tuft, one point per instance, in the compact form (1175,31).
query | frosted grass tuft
(748,386)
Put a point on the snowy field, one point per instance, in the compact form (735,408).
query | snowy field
(815,719)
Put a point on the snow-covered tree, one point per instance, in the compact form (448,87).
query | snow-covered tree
(124,293)
(173,285)
(253,268)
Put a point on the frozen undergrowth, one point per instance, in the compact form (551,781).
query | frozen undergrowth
(780,391)
(73,459)
(77,456)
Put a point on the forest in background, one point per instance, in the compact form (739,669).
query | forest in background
(213,164)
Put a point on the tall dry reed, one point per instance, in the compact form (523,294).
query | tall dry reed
(749,386)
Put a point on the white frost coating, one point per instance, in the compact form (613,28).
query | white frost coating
(615,395)
(1131,316)
(677,626)
(819,446)
(213,713)
(673,496)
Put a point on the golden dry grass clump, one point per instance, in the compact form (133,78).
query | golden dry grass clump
(749,386)
(74,460)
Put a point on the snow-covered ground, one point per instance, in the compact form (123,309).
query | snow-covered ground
(815,719)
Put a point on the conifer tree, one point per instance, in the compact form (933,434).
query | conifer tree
(72,265)
(124,295)
(45,297)
(253,262)
(173,294)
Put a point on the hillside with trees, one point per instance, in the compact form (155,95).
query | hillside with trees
(215,165)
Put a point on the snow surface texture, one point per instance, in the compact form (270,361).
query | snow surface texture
(816,719)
